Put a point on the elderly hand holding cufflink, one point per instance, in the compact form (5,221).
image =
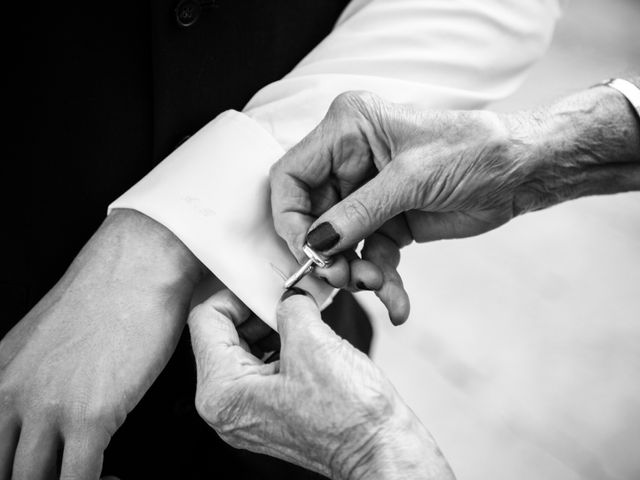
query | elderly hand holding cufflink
(390,175)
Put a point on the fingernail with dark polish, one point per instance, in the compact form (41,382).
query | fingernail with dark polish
(293,291)
(323,237)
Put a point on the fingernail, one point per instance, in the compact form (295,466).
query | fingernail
(323,237)
(293,291)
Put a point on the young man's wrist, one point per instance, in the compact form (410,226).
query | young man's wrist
(147,246)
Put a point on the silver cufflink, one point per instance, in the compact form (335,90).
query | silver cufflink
(315,260)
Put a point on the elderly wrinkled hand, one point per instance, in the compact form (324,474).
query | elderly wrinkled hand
(384,173)
(390,175)
(324,405)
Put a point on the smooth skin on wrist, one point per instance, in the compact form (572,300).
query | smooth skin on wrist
(151,245)
(83,357)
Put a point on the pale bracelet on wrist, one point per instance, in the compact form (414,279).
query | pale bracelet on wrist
(628,90)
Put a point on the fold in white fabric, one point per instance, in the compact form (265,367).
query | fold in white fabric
(228,212)
(211,192)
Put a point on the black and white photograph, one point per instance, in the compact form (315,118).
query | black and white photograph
(322,239)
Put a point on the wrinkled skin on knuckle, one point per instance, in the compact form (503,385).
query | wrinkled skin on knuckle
(350,150)
(274,170)
(466,163)
(357,118)
(357,212)
(227,410)
(355,101)
(208,403)
(244,421)
(401,128)
(404,174)
(342,112)
(196,312)
(193,322)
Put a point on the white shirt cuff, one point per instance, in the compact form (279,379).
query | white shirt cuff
(213,193)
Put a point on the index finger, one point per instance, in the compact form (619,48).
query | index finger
(215,340)
(293,178)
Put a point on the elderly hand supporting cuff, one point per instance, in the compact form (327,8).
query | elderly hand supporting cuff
(324,405)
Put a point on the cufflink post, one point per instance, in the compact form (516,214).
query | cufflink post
(315,260)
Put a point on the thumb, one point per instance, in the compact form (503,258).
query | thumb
(361,213)
(299,321)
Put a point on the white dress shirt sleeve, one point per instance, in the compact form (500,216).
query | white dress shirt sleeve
(210,192)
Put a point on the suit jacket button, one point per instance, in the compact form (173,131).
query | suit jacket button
(188,12)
